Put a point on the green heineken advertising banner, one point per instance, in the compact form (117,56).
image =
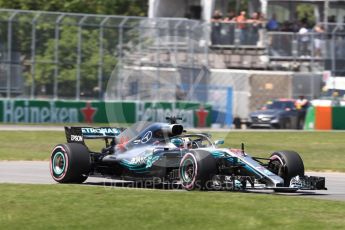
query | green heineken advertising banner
(193,114)
(59,111)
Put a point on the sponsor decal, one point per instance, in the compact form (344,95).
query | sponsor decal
(202,114)
(25,112)
(157,112)
(146,159)
(264,170)
(76,138)
(60,111)
(88,112)
(138,160)
(100,131)
(146,137)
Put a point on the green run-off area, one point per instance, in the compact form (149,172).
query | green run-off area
(98,207)
(320,150)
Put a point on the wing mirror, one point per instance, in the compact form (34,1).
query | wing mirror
(219,142)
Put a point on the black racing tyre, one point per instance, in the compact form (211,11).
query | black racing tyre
(286,164)
(196,170)
(70,163)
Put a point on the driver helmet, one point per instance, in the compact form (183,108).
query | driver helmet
(178,142)
(187,144)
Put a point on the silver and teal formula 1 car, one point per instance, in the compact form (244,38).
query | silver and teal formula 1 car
(166,153)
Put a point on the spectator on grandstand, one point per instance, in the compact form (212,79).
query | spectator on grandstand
(286,26)
(304,40)
(272,24)
(216,20)
(318,39)
(241,27)
(230,28)
(253,28)
(230,17)
(217,16)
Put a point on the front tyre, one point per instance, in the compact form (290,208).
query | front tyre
(70,163)
(286,164)
(196,170)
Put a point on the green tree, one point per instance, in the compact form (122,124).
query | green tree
(68,39)
(305,14)
(113,7)
(67,66)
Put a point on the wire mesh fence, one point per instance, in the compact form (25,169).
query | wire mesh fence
(73,56)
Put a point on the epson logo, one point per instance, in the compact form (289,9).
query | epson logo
(76,138)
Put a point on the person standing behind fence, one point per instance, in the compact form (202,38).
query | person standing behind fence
(301,105)
(216,27)
(253,29)
(318,39)
(241,27)
(229,20)
(272,24)
(304,40)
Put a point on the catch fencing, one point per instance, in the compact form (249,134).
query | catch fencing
(52,55)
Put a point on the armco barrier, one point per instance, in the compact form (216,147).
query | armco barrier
(59,111)
(325,118)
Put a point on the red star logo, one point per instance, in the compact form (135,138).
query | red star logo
(88,112)
(202,115)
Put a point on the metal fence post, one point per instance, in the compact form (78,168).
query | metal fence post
(9,54)
(56,55)
(193,44)
(33,55)
(206,35)
(120,50)
(140,41)
(176,41)
(312,52)
(101,58)
(334,56)
(158,58)
(295,46)
(79,54)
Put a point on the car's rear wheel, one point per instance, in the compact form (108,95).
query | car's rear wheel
(286,164)
(70,163)
(196,170)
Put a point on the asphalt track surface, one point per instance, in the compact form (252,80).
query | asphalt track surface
(37,172)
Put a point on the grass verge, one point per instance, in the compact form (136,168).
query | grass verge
(319,150)
(88,207)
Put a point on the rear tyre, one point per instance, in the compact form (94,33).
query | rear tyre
(70,163)
(286,164)
(197,169)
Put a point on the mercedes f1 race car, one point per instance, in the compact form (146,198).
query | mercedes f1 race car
(166,153)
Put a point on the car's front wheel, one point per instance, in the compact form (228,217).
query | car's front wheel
(70,163)
(286,164)
(196,170)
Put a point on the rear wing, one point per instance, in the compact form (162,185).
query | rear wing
(78,134)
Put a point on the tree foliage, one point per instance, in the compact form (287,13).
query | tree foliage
(67,65)
(113,7)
